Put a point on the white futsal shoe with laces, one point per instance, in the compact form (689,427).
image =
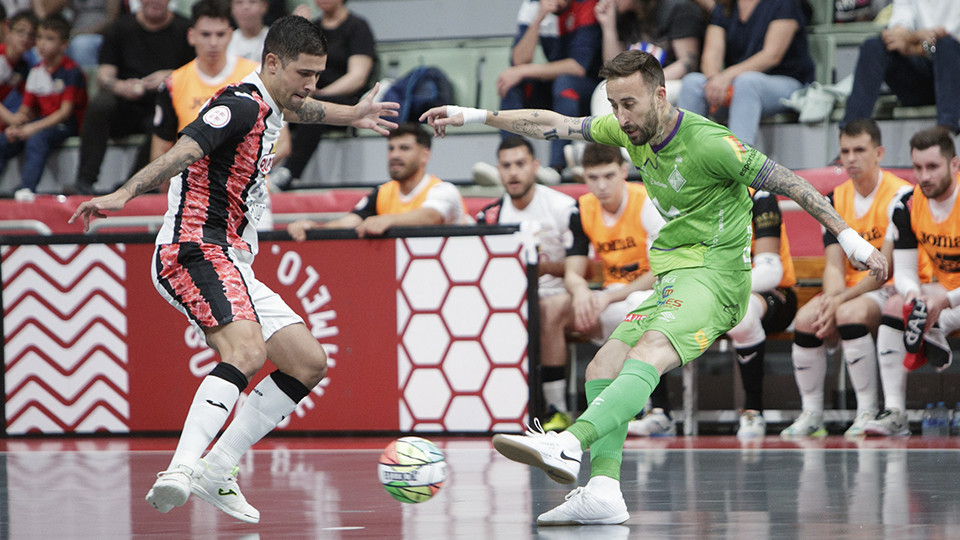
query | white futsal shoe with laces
(171,489)
(222,491)
(586,507)
(553,452)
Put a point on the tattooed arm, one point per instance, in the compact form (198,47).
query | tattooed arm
(533,123)
(862,255)
(182,155)
(365,114)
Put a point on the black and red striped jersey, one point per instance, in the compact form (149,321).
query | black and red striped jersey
(220,198)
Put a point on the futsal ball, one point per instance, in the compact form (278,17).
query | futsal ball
(412,469)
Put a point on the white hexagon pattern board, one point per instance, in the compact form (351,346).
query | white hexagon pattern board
(461,314)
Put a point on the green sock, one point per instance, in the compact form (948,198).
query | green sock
(620,401)
(606,454)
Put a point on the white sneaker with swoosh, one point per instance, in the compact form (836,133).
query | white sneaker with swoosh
(222,491)
(542,450)
(584,507)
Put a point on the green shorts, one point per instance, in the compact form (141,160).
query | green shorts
(692,307)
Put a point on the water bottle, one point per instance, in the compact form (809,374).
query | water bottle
(943,420)
(926,427)
(955,424)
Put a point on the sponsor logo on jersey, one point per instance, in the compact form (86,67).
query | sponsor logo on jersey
(265,163)
(701,338)
(634,317)
(217,117)
(617,244)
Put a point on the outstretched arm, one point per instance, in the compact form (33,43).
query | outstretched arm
(533,123)
(182,155)
(862,255)
(364,115)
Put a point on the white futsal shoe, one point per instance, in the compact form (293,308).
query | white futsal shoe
(889,423)
(861,421)
(541,450)
(584,507)
(171,489)
(223,492)
(808,424)
(752,424)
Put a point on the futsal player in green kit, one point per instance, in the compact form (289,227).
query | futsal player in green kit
(697,174)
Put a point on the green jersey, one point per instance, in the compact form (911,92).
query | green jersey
(698,179)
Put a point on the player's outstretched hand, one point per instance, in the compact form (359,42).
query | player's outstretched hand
(438,119)
(96,206)
(373,115)
(877,264)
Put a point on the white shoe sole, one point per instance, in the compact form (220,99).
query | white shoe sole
(521,453)
(164,497)
(615,520)
(212,499)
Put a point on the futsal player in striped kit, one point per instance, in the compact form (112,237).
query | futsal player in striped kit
(205,249)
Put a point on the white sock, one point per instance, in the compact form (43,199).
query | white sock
(210,408)
(604,486)
(809,369)
(860,355)
(893,376)
(266,407)
(555,394)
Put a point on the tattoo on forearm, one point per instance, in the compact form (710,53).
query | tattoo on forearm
(551,135)
(496,113)
(163,168)
(784,182)
(526,127)
(312,112)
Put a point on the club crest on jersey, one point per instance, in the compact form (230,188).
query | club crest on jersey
(676,179)
(217,117)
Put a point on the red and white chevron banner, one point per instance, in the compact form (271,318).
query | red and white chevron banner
(422,334)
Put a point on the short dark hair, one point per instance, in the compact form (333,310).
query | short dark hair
(627,63)
(57,23)
(212,9)
(863,125)
(600,154)
(291,36)
(412,128)
(25,15)
(515,141)
(936,136)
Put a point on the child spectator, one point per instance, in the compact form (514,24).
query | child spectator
(20,31)
(54,100)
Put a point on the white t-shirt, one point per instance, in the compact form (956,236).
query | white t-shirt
(917,14)
(249,48)
(551,209)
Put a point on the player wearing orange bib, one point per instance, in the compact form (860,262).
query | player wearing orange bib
(186,89)
(925,220)
(852,302)
(412,197)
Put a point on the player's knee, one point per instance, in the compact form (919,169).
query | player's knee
(806,315)
(851,313)
(247,357)
(314,367)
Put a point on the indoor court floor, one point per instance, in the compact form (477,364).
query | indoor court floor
(324,487)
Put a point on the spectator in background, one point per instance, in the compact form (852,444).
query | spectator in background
(186,89)
(54,99)
(550,210)
(19,34)
(918,56)
(138,52)
(411,197)
(671,30)
(754,53)
(570,37)
(248,38)
(349,74)
(90,20)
